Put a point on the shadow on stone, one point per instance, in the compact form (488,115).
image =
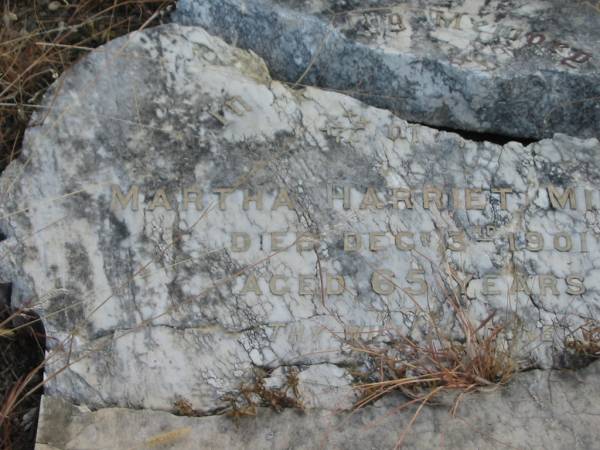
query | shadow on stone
(22,345)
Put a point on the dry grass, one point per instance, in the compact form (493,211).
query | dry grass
(257,394)
(40,39)
(585,340)
(481,358)
(21,349)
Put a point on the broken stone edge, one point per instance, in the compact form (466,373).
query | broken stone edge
(307,50)
(538,409)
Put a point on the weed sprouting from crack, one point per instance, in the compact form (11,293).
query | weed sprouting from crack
(246,401)
(481,359)
(584,341)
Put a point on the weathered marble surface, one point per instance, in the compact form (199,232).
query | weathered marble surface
(549,410)
(522,68)
(151,305)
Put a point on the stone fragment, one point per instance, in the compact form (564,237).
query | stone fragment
(520,68)
(552,411)
(184,225)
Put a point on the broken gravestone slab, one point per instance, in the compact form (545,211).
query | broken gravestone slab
(537,410)
(181,222)
(520,68)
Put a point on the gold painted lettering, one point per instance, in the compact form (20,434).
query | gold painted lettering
(548,282)
(336,285)
(282,199)
(584,245)
(251,286)
(333,194)
(563,242)
(240,242)
(416,277)
(307,242)
(535,241)
(305,285)
(489,285)
(118,198)
(402,195)
(437,199)
(520,285)
(588,200)
(472,201)
(400,244)
(575,285)
(187,192)
(160,200)
(375,244)
(382,282)
(371,200)
(223,194)
(277,244)
(352,242)
(275,290)
(463,283)
(447,19)
(503,196)
(256,198)
(560,200)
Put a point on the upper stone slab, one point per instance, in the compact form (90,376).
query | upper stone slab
(521,68)
(180,220)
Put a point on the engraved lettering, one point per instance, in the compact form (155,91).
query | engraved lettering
(371,200)
(336,285)
(563,242)
(382,283)
(437,197)
(275,290)
(560,200)
(305,285)
(352,242)
(160,200)
(277,244)
(503,196)
(223,194)
(282,199)
(251,286)
(118,198)
(489,285)
(187,193)
(416,277)
(472,201)
(240,242)
(256,198)
(575,285)
(401,244)
(548,282)
(306,242)
(375,244)
(535,241)
(402,195)
(333,194)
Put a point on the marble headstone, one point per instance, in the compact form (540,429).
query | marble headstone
(179,219)
(520,68)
